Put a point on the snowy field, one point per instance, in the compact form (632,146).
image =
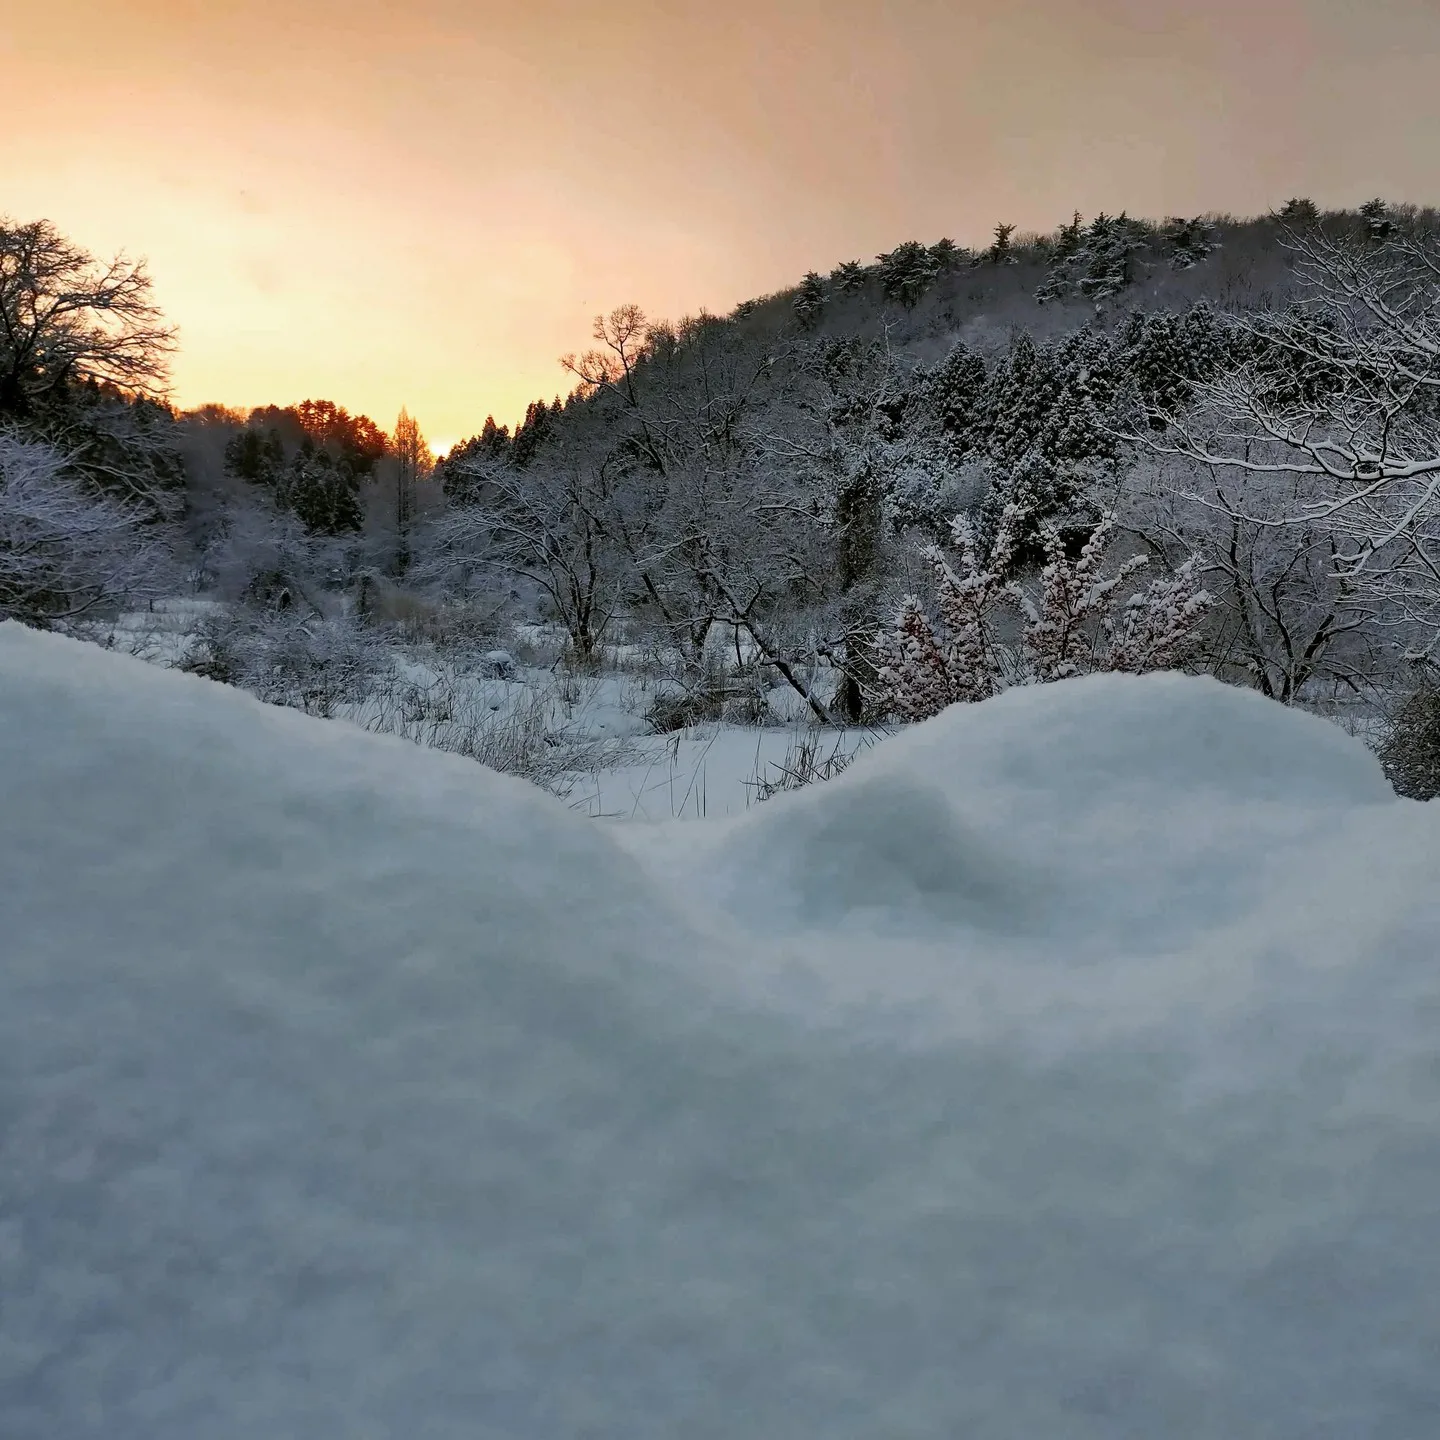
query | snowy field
(1068,1067)
(587,738)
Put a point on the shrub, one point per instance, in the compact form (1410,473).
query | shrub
(1410,753)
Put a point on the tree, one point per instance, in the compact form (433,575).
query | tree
(1189,241)
(1298,214)
(461,472)
(1339,394)
(849,277)
(946,255)
(1096,263)
(810,301)
(1378,224)
(65,552)
(1001,252)
(66,318)
(544,521)
(1078,620)
(256,456)
(323,493)
(907,272)
(412,464)
(1410,752)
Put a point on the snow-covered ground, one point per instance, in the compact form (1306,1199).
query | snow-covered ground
(1070,1066)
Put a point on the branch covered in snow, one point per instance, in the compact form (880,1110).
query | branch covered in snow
(64,551)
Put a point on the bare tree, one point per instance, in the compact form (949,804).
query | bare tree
(1340,400)
(546,522)
(66,317)
(1286,618)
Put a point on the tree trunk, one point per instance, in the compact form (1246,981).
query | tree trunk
(858,521)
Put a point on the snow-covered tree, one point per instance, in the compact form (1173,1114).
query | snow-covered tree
(67,552)
(1340,394)
(946,255)
(809,303)
(1410,751)
(1298,213)
(1189,241)
(1081,620)
(1074,620)
(907,272)
(1096,262)
(927,664)
(849,277)
(1378,224)
(322,493)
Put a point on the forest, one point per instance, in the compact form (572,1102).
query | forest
(1204,444)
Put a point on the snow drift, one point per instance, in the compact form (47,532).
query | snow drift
(1070,1066)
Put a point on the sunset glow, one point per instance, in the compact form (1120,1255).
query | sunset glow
(424,205)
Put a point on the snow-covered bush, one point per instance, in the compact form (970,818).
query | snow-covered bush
(1076,621)
(1411,750)
(311,663)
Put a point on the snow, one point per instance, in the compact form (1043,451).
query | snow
(1068,1067)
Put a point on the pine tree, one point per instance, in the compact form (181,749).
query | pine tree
(810,300)
(1063,250)
(1105,264)
(1001,252)
(1299,214)
(412,463)
(946,255)
(907,272)
(849,277)
(322,493)
(531,434)
(1378,224)
(954,393)
(1097,262)
(1189,241)
(255,456)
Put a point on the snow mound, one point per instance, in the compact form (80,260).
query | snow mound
(347,1089)
(1069,812)
(1082,742)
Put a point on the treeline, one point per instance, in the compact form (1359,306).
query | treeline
(1253,402)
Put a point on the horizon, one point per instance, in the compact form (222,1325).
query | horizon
(331,206)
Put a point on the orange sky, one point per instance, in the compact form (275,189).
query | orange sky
(425,203)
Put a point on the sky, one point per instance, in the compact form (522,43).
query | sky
(426,204)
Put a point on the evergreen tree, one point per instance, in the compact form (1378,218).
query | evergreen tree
(323,493)
(946,255)
(1378,224)
(1001,251)
(1299,213)
(256,456)
(1063,250)
(1105,265)
(1189,241)
(849,277)
(810,300)
(906,273)
(1162,356)
(1096,263)
(955,395)
(531,433)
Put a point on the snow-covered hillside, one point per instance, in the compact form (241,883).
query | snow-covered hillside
(1070,1066)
